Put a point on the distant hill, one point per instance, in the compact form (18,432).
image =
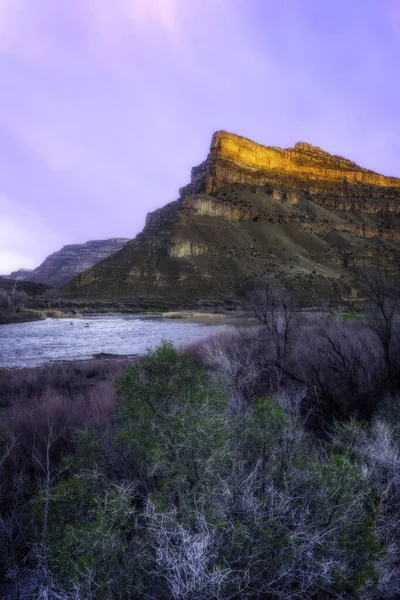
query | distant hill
(20,275)
(299,214)
(63,265)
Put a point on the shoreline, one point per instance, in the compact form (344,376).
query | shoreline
(33,315)
(96,359)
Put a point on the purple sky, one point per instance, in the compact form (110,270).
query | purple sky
(105,105)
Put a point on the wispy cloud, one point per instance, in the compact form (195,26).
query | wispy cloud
(21,236)
(142,13)
(67,33)
(393,17)
(12,261)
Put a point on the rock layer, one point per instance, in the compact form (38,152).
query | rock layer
(63,265)
(235,159)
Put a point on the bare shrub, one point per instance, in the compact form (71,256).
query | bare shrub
(277,313)
(240,359)
(186,561)
(382,308)
(13,299)
(342,368)
(336,364)
(377,450)
(65,398)
(246,359)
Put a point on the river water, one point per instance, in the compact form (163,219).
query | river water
(38,342)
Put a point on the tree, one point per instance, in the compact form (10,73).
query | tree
(382,307)
(277,312)
(52,297)
(343,370)
(14,298)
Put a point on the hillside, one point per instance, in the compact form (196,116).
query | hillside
(301,214)
(62,266)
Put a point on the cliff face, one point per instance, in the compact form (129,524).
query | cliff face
(62,266)
(300,214)
(233,159)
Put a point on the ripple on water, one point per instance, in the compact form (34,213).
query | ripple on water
(38,342)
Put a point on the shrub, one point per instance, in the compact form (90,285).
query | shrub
(204,480)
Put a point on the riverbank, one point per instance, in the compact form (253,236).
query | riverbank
(30,314)
(23,316)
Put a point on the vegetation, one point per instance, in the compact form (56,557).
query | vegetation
(23,301)
(16,296)
(263,464)
(192,315)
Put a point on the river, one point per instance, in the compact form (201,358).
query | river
(39,342)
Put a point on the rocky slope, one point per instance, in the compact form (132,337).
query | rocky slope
(300,214)
(62,266)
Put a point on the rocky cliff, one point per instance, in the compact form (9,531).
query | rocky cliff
(233,159)
(300,214)
(63,265)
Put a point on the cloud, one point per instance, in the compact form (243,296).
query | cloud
(47,139)
(145,13)
(23,233)
(89,65)
(15,245)
(394,18)
(21,29)
(12,261)
(42,30)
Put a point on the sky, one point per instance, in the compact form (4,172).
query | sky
(105,105)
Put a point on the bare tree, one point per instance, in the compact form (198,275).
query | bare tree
(343,370)
(277,312)
(382,307)
(14,298)
(43,572)
(52,297)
